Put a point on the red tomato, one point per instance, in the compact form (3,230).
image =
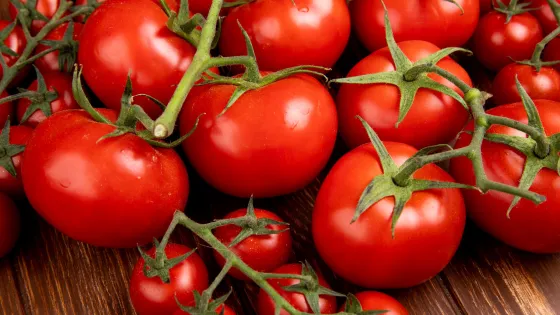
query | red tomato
(10,185)
(45,7)
(110,48)
(56,81)
(50,61)
(16,42)
(272,141)
(90,188)
(544,15)
(227,311)
(544,84)
(262,253)
(203,6)
(152,296)
(552,52)
(435,21)
(422,125)
(6,109)
(376,301)
(311,32)
(266,305)
(428,232)
(9,224)
(496,42)
(530,227)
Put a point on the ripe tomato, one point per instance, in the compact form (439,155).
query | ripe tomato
(435,21)
(16,42)
(152,296)
(262,253)
(376,301)
(428,232)
(56,81)
(266,305)
(544,15)
(311,32)
(90,188)
(227,311)
(45,7)
(544,84)
(530,227)
(423,125)
(496,42)
(131,35)
(6,109)
(10,185)
(9,224)
(50,61)
(272,141)
(552,52)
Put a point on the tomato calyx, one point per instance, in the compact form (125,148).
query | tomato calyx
(160,265)
(204,306)
(185,26)
(8,150)
(353,306)
(513,8)
(408,77)
(386,185)
(29,12)
(67,48)
(4,49)
(40,99)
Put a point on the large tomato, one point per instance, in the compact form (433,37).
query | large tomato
(115,192)
(544,84)
(45,7)
(50,61)
(377,301)
(496,43)
(9,224)
(55,81)
(16,42)
(287,34)
(272,141)
(439,22)
(10,185)
(530,227)
(261,252)
(124,36)
(6,109)
(364,252)
(378,104)
(152,296)
(266,305)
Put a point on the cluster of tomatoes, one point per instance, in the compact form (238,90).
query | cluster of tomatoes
(122,191)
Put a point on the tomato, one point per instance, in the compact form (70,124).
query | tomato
(311,32)
(50,61)
(552,52)
(496,42)
(9,224)
(544,84)
(266,305)
(544,15)
(203,6)
(227,311)
(439,22)
(10,185)
(378,104)
(530,227)
(262,253)
(6,109)
(45,7)
(152,296)
(90,188)
(131,35)
(428,232)
(16,42)
(56,81)
(377,301)
(272,141)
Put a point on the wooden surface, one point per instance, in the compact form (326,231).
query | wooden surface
(50,274)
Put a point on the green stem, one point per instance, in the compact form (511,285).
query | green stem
(539,48)
(555,9)
(207,294)
(17,96)
(543,143)
(464,87)
(413,73)
(249,63)
(32,59)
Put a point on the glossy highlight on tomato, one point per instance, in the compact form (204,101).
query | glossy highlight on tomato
(9,224)
(543,84)
(10,185)
(428,231)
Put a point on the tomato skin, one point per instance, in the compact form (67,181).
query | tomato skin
(266,305)
(227,311)
(255,148)
(9,224)
(50,61)
(544,15)
(428,232)
(552,52)
(46,7)
(544,84)
(423,125)
(9,185)
(89,189)
(57,81)
(109,49)
(375,301)
(530,227)
(313,32)
(435,21)
(15,41)
(496,43)
(6,109)
(262,253)
(151,296)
